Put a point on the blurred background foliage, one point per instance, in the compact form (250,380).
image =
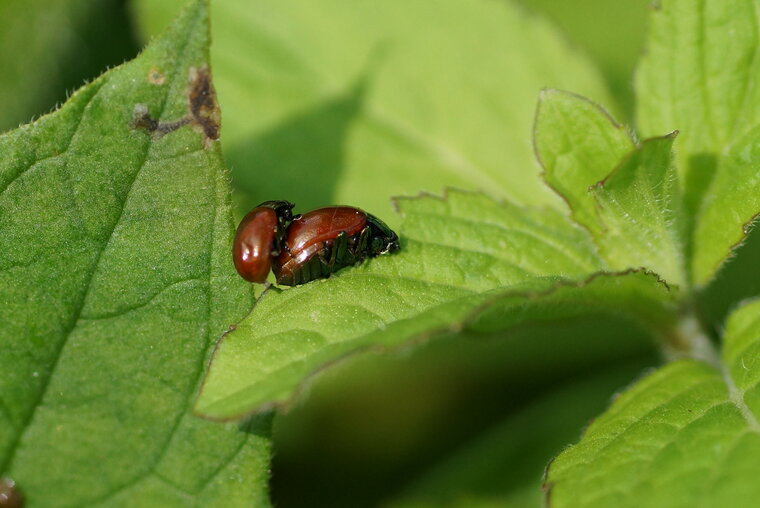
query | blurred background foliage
(457,422)
(49,48)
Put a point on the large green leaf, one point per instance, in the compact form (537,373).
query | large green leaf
(466,261)
(686,435)
(341,101)
(625,195)
(115,281)
(698,76)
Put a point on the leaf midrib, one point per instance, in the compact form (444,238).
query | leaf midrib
(93,268)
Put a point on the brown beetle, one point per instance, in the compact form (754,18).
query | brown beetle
(258,239)
(320,242)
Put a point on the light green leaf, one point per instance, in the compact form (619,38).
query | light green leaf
(577,143)
(625,195)
(686,435)
(730,206)
(466,262)
(504,466)
(740,356)
(698,76)
(639,212)
(115,281)
(351,102)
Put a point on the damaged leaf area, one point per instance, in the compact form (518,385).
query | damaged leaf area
(116,281)
(203,110)
(518,265)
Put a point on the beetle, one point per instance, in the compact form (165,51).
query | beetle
(258,239)
(10,495)
(322,241)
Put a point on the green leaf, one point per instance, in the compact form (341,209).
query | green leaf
(351,102)
(698,76)
(730,206)
(741,359)
(578,144)
(116,280)
(466,262)
(685,435)
(639,212)
(625,195)
(521,445)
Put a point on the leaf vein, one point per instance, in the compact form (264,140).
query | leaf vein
(92,270)
(619,435)
(749,84)
(21,430)
(704,79)
(566,250)
(736,397)
(210,478)
(4,410)
(139,305)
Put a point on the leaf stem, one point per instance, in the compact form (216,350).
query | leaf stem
(688,339)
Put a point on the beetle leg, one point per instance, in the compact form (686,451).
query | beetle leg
(321,264)
(340,245)
(324,255)
(363,244)
(304,272)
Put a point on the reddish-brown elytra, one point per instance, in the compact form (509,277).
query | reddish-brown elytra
(258,239)
(10,495)
(325,240)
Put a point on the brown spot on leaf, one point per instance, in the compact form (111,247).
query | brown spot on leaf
(201,98)
(156,77)
(10,495)
(203,110)
(142,119)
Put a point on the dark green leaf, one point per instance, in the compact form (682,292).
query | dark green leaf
(115,281)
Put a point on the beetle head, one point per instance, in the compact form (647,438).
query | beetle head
(384,239)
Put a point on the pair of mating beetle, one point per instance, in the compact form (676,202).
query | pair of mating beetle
(305,247)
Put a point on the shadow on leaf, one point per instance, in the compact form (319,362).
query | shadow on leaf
(299,160)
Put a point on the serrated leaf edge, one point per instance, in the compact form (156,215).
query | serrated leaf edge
(412,341)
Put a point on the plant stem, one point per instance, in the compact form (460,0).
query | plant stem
(688,339)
